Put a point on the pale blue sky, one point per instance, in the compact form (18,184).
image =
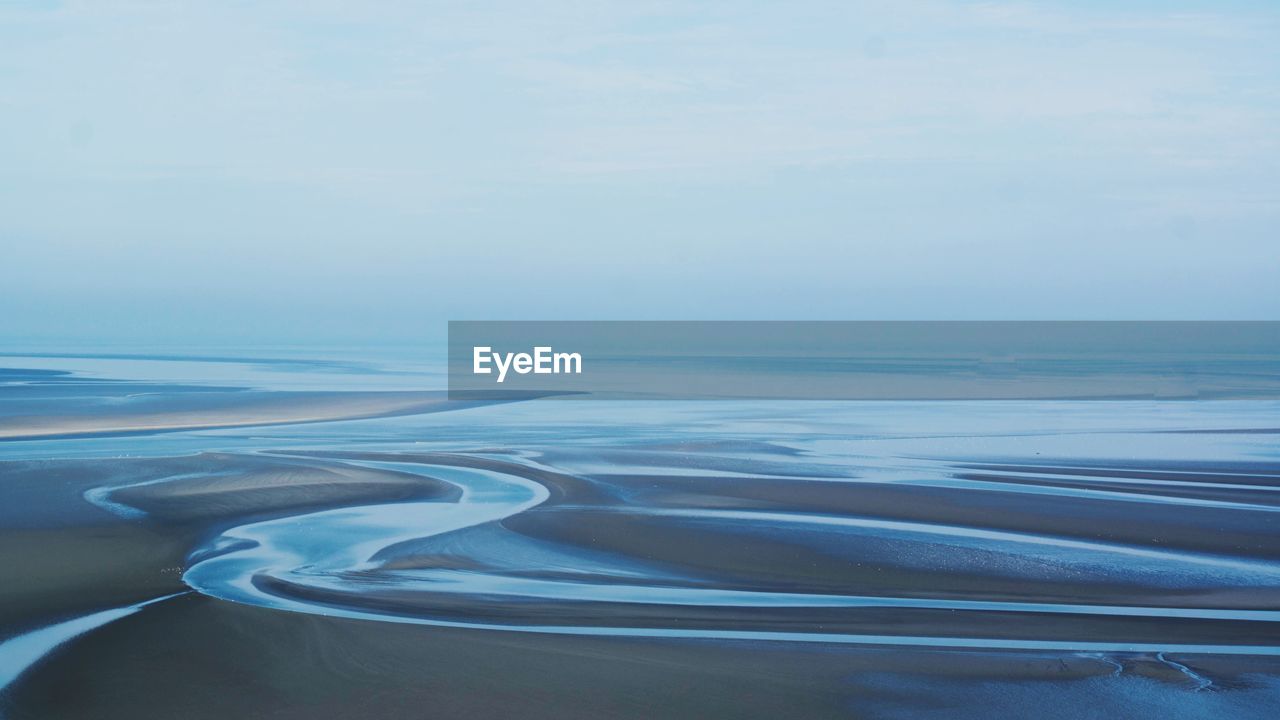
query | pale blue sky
(324,171)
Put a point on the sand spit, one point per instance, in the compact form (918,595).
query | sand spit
(221,410)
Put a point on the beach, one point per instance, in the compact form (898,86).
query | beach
(614,559)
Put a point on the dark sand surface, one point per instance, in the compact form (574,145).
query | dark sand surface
(61,555)
(697,528)
(193,657)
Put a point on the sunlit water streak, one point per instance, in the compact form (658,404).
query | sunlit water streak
(19,653)
(333,552)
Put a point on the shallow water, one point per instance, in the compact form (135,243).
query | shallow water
(1099,530)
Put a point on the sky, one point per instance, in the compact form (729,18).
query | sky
(293,172)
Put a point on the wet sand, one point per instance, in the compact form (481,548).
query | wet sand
(222,410)
(291,664)
(469,565)
(193,657)
(62,554)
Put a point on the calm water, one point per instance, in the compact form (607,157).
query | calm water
(1102,530)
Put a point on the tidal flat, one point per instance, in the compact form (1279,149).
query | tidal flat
(421,558)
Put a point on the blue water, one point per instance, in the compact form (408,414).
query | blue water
(1075,527)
